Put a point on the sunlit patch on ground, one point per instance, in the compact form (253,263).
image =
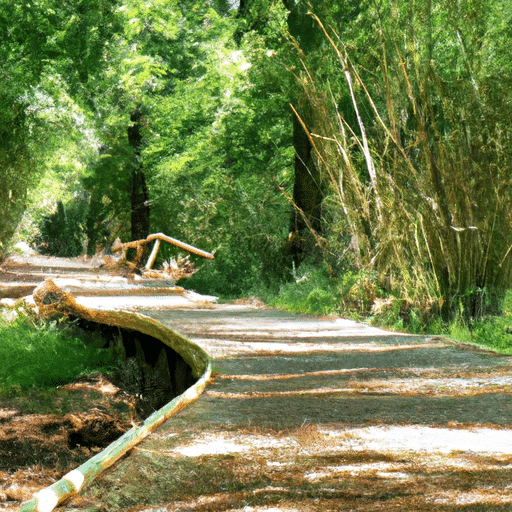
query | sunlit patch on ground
(322,422)
(229,348)
(426,439)
(314,468)
(475,496)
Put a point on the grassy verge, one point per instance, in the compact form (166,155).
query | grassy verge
(43,355)
(358,296)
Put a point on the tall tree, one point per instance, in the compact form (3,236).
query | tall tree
(121,99)
(139,192)
(219,149)
(304,44)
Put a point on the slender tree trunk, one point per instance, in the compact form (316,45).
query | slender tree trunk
(139,194)
(307,189)
(139,205)
(307,192)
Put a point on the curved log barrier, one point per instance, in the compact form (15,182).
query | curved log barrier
(52,300)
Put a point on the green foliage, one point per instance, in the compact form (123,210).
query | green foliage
(41,42)
(493,332)
(312,291)
(42,355)
(61,233)
(413,146)
(18,171)
(153,66)
(219,151)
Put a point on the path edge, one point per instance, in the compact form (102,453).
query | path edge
(73,482)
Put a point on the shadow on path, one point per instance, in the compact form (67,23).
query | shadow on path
(323,414)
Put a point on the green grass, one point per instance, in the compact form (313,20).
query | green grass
(492,333)
(44,355)
(310,292)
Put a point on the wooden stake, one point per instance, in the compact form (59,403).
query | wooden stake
(152,256)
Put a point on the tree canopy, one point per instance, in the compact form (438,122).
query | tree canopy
(367,138)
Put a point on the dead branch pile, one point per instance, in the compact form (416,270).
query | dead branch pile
(173,269)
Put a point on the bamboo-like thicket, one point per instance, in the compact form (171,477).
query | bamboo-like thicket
(415,151)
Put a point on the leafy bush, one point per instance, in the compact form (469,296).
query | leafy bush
(43,355)
(311,291)
(61,233)
(493,333)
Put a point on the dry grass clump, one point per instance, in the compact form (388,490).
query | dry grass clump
(174,268)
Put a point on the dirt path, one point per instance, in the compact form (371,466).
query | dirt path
(308,414)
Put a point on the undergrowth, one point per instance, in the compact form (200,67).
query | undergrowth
(43,355)
(310,291)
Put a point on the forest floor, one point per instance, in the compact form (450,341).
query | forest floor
(302,414)
(44,433)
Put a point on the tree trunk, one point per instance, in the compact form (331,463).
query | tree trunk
(139,194)
(307,192)
(139,206)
